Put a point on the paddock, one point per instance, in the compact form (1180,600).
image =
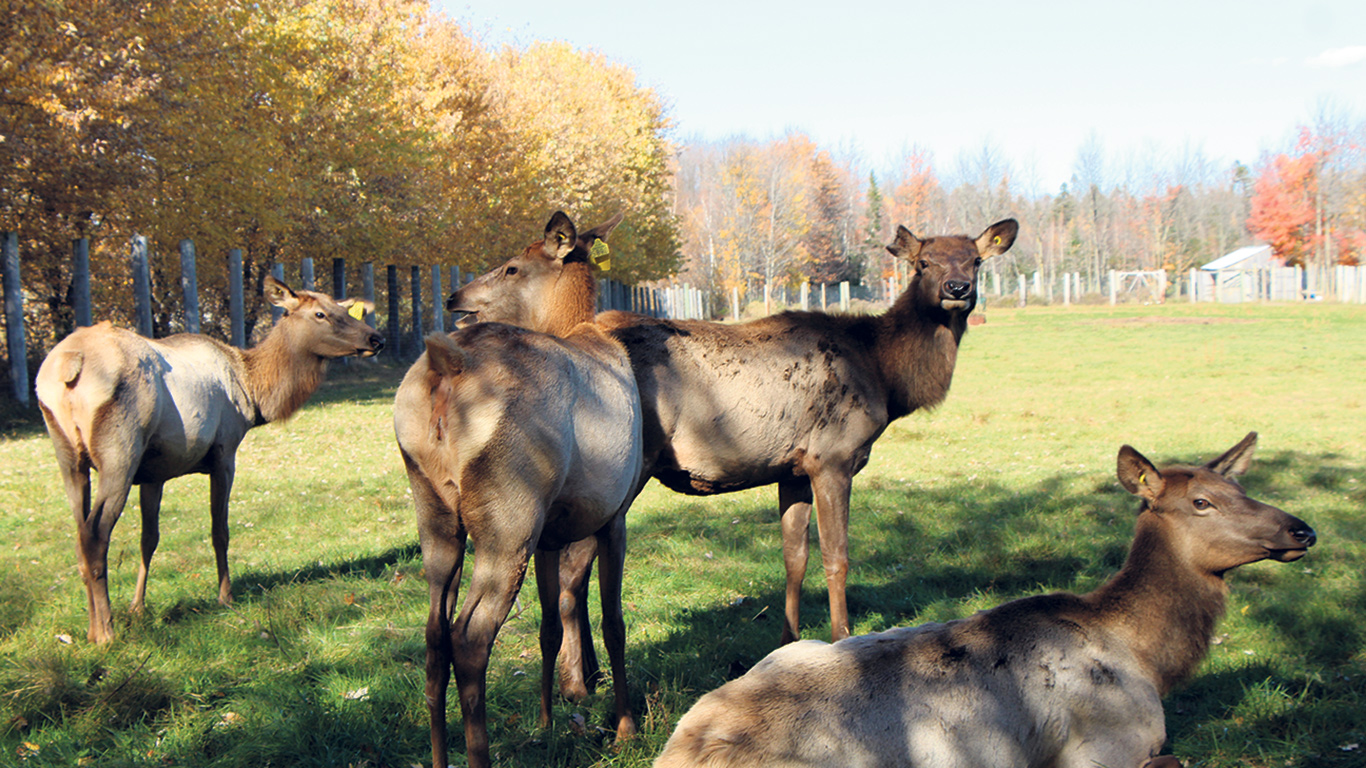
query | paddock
(1005,490)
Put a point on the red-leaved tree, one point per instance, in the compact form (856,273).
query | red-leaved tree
(1283,211)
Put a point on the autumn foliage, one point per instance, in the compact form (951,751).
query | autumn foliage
(375,130)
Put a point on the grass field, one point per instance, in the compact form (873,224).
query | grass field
(1006,490)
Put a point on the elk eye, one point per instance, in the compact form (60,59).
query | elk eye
(321,315)
(511,271)
(1201,504)
(924,264)
(977,262)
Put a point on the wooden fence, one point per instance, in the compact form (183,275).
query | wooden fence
(413,302)
(1346,284)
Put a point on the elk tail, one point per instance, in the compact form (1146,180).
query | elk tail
(444,356)
(69,367)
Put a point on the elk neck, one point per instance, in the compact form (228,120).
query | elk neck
(573,300)
(279,375)
(1164,609)
(917,348)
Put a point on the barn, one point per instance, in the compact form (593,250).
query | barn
(1246,274)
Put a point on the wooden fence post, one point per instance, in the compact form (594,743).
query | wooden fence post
(142,286)
(237,305)
(15,341)
(306,276)
(844,296)
(395,328)
(417,310)
(367,287)
(189,285)
(80,281)
(277,271)
(438,310)
(339,278)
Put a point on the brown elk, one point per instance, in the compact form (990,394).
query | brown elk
(795,399)
(1060,680)
(144,411)
(524,442)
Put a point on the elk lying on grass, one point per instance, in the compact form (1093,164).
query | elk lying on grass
(524,442)
(1061,680)
(795,399)
(144,411)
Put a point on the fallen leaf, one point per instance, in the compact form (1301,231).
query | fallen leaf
(360,694)
(64,639)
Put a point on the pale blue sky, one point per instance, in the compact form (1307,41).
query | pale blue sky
(1034,80)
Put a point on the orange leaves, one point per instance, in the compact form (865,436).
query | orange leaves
(1284,206)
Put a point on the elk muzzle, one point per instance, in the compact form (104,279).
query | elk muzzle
(954,294)
(1301,537)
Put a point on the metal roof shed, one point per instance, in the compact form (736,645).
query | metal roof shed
(1251,257)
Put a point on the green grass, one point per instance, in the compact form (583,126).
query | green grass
(1007,489)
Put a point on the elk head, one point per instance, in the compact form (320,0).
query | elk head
(535,289)
(1218,527)
(324,326)
(946,267)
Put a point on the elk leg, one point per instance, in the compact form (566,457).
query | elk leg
(794,502)
(548,588)
(498,574)
(612,543)
(93,534)
(443,560)
(579,671)
(220,488)
(832,523)
(149,500)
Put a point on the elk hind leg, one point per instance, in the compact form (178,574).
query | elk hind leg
(497,577)
(443,561)
(93,535)
(612,548)
(794,502)
(548,589)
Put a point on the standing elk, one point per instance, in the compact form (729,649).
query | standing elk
(1060,680)
(143,411)
(795,399)
(524,442)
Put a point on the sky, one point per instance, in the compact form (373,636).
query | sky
(1034,83)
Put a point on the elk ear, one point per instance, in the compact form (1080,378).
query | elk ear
(1237,459)
(998,238)
(601,231)
(906,245)
(357,308)
(279,294)
(560,236)
(1138,475)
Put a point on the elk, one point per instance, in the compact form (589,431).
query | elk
(795,399)
(523,442)
(1060,680)
(143,411)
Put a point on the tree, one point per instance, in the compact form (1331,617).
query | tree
(1283,210)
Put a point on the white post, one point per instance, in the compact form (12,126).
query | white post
(844,296)
(1066,290)
(806,296)
(1114,289)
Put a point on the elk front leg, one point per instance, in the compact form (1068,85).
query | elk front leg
(794,506)
(832,489)
(579,672)
(220,488)
(149,500)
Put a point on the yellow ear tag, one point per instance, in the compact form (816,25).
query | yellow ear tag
(996,240)
(357,311)
(1142,476)
(601,255)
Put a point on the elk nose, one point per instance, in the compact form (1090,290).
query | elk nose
(1305,536)
(376,342)
(957,289)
